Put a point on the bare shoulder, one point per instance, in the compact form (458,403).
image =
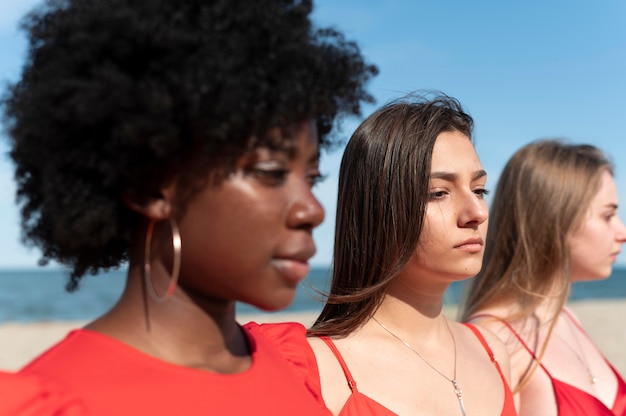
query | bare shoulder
(323,353)
(335,390)
(571,313)
(495,342)
(492,324)
(496,335)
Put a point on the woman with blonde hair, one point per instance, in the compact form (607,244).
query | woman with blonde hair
(553,221)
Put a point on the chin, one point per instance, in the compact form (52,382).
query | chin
(276,303)
(469,272)
(591,277)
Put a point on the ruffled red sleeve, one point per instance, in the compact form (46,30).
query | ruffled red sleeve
(290,339)
(29,395)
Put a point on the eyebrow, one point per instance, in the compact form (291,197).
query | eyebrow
(292,152)
(451,177)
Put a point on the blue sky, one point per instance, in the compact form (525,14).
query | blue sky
(523,70)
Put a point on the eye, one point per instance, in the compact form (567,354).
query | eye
(315,178)
(437,194)
(482,192)
(272,176)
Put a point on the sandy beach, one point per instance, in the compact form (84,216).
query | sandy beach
(603,320)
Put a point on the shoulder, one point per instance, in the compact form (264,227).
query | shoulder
(289,340)
(490,340)
(58,354)
(84,353)
(286,336)
(493,323)
(22,394)
(79,348)
(570,313)
(327,360)
(335,380)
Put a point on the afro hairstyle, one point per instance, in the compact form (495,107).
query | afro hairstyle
(118,97)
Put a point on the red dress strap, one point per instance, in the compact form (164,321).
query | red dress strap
(482,340)
(344,367)
(508,407)
(619,404)
(519,338)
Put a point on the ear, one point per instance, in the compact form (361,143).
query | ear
(158,208)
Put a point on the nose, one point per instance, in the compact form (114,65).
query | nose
(620,235)
(305,211)
(473,210)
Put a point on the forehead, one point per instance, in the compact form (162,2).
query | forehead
(453,151)
(607,193)
(290,139)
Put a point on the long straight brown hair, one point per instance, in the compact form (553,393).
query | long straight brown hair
(383,191)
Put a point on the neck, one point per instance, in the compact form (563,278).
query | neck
(418,325)
(415,295)
(548,310)
(177,330)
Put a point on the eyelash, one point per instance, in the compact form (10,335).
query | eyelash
(317,179)
(277,176)
(437,195)
(271,174)
(440,194)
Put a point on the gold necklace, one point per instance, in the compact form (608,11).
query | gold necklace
(455,384)
(582,360)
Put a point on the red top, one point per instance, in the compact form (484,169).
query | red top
(115,379)
(22,395)
(359,404)
(570,400)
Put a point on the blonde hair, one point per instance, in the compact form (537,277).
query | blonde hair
(542,196)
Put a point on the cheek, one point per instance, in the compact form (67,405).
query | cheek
(484,226)
(432,243)
(590,244)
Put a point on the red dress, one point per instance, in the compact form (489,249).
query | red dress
(359,404)
(22,395)
(570,400)
(115,379)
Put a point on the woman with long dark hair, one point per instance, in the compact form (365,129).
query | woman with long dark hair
(411,219)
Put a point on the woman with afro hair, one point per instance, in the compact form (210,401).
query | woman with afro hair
(182,138)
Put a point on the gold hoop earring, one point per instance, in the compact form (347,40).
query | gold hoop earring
(175,268)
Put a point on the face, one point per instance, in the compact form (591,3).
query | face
(250,238)
(452,241)
(596,243)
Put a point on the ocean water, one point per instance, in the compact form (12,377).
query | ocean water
(36,295)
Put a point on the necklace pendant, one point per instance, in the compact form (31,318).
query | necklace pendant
(459,395)
(592,378)
(457,389)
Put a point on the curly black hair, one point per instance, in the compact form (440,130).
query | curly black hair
(116,97)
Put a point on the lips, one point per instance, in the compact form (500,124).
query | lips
(294,266)
(291,269)
(472,245)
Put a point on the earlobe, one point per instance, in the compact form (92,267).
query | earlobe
(157,208)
